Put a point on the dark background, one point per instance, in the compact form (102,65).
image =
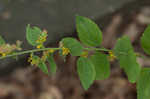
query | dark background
(18,80)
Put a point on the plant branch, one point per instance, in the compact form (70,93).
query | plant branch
(28,51)
(44,49)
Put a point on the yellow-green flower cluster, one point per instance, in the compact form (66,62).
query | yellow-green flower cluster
(42,38)
(6,49)
(84,54)
(112,57)
(65,51)
(33,60)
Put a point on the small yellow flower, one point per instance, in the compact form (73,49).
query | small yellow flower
(32,60)
(84,54)
(38,46)
(65,51)
(42,38)
(112,57)
(3,54)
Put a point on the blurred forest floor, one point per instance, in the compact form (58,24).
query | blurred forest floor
(31,83)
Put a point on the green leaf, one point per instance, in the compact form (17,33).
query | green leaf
(2,41)
(43,67)
(88,31)
(127,58)
(102,65)
(52,63)
(86,72)
(143,84)
(73,45)
(145,40)
(32,35)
